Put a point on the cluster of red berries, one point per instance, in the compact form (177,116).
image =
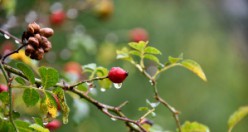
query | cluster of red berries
(37,42)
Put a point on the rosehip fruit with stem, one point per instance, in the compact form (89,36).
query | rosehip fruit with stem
(53,125)
(117,75)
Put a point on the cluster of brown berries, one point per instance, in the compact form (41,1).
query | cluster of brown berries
(37,42)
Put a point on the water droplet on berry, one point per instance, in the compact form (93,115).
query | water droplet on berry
(17,42)
(6,36)
(103,89)
(117,85)
(113,119)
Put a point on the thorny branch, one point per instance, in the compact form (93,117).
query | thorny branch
(153,81)
(134,125)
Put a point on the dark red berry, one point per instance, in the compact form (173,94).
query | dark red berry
(53,125)
(57,17)
(117,75)
(3,88)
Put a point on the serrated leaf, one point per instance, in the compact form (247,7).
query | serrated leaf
(151,57)
(105,83)
(194,127)
(62,100)
(195,68)
(20,80)
(48,105)
(27,71)
(4,97)
(236,117)
(38,128)
(152,50)
(22,126)
(38,121)
(30,97)
(49,76)
(138,45)
(135,52)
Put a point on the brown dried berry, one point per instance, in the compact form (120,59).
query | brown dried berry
(29,50)
(39,56)
(33,41)
(47,46)
(47,32)
(40,51)
(38,37)
(33,28)
(33,55)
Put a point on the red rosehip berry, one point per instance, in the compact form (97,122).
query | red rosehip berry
(117,75)
(3,88)
(53,125)
(138,34)
(57,17)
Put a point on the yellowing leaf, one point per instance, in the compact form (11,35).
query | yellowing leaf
(236,117)
(195,68)
(62,100)
(48,105)
(194,127)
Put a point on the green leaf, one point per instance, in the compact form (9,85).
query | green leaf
(152,50)
(135,52)
(138,45)
(39,128)
(4,97)
(5,126)
(143,109)
(22,126)
(151,57)
(82,87)
(15,114)
(194,127)
(49,76)
(48,105)
(173,60)
(38,121)
(30,97)
(236,117)
(195,68)
(27,71)
(123,54)
(62,100)
(105,83)
(20,80)
(91,66)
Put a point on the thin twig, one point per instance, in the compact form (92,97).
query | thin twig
(13,52)
(10,35)
(157,97)
(9,81)
(172,109)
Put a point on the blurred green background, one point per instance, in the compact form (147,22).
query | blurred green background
(206,31)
